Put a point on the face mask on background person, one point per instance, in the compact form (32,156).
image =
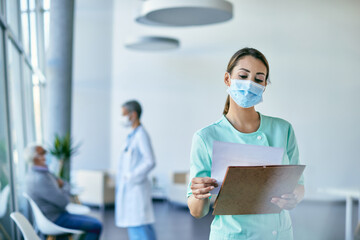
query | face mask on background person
(125,121)
(48,158)
(245,93)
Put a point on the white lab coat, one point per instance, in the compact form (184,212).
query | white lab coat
(133,203)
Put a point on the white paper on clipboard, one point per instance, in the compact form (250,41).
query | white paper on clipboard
(227,154)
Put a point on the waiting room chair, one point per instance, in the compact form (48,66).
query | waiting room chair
(25,227)
(45,226)
(4,199)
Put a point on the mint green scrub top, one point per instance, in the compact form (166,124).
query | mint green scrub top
(274,132)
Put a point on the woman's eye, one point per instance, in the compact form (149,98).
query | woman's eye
(258,80)
(243,76)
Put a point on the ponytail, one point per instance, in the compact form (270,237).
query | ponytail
(227,105)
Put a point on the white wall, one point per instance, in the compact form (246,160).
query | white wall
(92,83)
(314,54)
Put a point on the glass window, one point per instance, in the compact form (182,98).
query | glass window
(38,93)
(18,133)
(25,25)
(12,11)
(46,29)
(32,5)
(2,7)
(5,193)
(46,6)
(28,103)
(23,106)
(33,39)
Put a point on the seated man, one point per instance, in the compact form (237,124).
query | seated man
(51,194)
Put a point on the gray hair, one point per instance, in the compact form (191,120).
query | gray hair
(133,106)
(30,151)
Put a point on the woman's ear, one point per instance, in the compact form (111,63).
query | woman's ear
(227,79)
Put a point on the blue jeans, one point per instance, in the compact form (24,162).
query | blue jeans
(143,232)
(90,225)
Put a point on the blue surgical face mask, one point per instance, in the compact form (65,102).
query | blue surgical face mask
(245,93)
(48,158)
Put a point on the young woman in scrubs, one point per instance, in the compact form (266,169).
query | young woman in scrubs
(246,78)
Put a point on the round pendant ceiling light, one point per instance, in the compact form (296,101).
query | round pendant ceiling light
(180,13)
(152,43)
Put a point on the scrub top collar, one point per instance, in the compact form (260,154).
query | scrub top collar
(259,130)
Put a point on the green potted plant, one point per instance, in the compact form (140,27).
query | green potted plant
(62,150)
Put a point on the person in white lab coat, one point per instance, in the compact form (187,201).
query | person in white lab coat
(133,203)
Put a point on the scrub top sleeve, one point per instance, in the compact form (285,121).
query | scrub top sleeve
(293,151)
(200,160)
(147,163)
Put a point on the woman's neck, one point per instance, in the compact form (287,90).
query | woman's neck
(245,120)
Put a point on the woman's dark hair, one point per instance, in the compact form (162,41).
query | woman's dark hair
(234,60)
(133,106)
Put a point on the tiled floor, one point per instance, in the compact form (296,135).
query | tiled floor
(311,221)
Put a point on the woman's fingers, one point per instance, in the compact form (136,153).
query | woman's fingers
(203,185)
(288,196)
(203,180)
(202,196)
(203,190)
(287,201)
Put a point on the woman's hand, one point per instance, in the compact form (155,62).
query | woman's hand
(289,201)
(201,187)
(286,201)
(199,202)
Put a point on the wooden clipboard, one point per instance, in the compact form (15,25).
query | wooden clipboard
(248,190)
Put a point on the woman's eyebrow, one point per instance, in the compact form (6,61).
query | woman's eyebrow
(244,69)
